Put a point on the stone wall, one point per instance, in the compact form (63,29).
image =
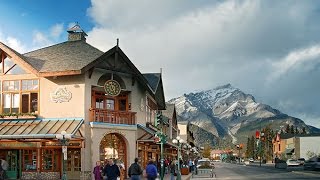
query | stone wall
(40,175)
(85,175)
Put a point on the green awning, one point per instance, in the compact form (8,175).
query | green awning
(37,129)
(289,150)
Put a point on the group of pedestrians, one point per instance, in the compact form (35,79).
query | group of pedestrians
(111,171)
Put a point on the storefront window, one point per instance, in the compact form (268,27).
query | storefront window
(74,160)
(30,160)
(50,159)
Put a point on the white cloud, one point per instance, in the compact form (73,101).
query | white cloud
(40,38)
(302,59)
(203,44)
(56,30)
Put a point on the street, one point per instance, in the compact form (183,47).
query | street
(235,171)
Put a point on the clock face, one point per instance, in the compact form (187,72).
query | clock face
(112,88)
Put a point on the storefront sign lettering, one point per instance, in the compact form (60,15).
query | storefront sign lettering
(17,144)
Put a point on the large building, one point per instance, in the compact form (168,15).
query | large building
(107,105)
(296,146)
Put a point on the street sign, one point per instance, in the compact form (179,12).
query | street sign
(64,149)
(65,156)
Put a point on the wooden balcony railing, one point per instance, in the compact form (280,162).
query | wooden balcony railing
(113,117)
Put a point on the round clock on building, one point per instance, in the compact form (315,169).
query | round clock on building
(112,88)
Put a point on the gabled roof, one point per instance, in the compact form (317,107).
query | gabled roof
(169,112)
(19,59)
(153,80)
(70,56)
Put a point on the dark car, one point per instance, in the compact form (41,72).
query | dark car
(312,164)
(301,161)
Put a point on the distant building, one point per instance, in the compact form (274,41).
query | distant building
(296,146)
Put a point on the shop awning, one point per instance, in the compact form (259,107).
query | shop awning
(38,129)
(146,129)
(289,150)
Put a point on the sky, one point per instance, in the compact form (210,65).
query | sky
(270,48)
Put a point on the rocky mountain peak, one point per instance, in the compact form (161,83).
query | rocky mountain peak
(226,111)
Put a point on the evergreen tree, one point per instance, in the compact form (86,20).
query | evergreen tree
(296,131)
(304,130)
(287,130)
(291,129)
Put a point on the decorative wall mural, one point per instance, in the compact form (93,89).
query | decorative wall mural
(61,95)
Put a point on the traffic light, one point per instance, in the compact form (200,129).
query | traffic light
(158,119)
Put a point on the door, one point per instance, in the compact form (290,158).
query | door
(12,159)
(74,163)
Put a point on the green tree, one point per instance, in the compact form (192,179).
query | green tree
(291,129)
(296,131)
(304,130)
(287,130)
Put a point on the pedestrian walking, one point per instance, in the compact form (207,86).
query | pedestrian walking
(135,170)
(97,171)
(111,170)
(151,171)
(172,169)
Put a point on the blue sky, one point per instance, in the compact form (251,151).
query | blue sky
(270,49)
(23,18)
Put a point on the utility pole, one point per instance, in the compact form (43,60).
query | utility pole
(162,139)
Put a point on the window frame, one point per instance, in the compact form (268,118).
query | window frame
(21,93)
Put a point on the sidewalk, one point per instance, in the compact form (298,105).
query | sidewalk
(183,177)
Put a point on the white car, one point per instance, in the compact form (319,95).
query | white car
(292,162)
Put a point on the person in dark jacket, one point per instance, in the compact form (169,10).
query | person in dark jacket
(135,170)
(111,170)
(151,171)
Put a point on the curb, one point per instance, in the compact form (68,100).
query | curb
(310,173)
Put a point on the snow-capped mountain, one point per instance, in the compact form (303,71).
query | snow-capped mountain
(226,111)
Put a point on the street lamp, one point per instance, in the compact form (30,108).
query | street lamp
(178,141)
(64,137)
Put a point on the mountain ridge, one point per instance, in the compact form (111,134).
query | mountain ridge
(227,112)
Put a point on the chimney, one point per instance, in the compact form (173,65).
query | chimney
(76,33)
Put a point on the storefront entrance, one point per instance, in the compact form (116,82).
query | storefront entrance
(12,157)
(113,146)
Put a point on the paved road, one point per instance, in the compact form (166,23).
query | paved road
(235,171)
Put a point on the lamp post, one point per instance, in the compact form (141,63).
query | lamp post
(178,141)
(64,137)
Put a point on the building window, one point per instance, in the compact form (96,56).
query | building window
(50,159)
(29,160)
(18,99)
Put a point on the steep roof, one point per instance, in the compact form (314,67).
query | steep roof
(153,80)
(169,110)
(66,56)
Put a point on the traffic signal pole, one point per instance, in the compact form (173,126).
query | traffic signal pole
(161,156)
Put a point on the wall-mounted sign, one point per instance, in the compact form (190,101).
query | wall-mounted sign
(61,95)
(112,88)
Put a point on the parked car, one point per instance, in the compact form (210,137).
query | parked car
(205,163)
(251,160)
(292,162)
(312,164)
(301,161)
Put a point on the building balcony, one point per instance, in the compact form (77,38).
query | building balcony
(113,117)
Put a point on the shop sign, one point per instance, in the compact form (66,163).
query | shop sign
(116,131)
(61,95)
(17,144)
